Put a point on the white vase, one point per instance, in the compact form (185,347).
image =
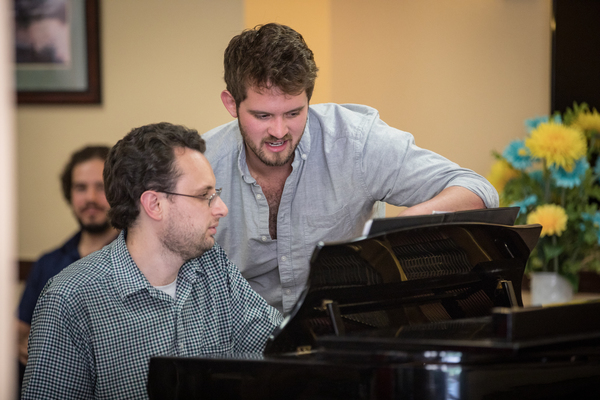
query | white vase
(549,287)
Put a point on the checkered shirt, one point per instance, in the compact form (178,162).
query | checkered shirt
(98,322)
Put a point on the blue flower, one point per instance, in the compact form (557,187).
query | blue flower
(526,202)
(595,219)
(517,154)
(537,176)
(569,180)
(533,123)
(597,167)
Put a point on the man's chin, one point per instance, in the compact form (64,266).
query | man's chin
(94,228)
(276,160)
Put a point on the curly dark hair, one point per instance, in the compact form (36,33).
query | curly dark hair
(144,160)
(267,56)
(80,156)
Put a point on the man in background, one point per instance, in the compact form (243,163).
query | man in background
(163,287)
(294,175)
(83,189)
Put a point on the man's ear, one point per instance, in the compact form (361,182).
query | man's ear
(151,205)
(229,103)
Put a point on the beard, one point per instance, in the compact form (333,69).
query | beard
(277,159)
(184,243)
(94,228)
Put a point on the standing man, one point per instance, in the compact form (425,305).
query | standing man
(83,189)
(163,287)
(294,175)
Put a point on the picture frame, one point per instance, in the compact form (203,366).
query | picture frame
(57,52)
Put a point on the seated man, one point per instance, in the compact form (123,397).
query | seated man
(296,174)
(163,287)
(83,189)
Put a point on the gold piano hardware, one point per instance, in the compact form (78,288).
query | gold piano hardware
(324,305)
(303,350)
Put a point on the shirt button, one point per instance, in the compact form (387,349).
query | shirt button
(304,156)
(283,258)
(288,291)
(264,238)
(259,196)
(181,346)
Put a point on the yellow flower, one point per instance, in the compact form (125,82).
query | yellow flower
(587,121)
(501,173)
(557,144)
(553,219)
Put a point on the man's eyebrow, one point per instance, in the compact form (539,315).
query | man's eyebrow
(269,113)
(258,112)
(204,189)
(296,109)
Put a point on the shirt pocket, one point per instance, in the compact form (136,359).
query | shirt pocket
(327,228)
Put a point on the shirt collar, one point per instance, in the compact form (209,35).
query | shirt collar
(128,277)
(304,145)
(242,164)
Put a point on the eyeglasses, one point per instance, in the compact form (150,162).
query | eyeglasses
(210,199)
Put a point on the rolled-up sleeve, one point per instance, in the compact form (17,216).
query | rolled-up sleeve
(399,172)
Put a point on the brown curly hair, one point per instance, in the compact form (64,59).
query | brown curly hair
(144,160)
(267,56)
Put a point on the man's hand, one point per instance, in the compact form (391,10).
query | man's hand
(23,336)
(454,198)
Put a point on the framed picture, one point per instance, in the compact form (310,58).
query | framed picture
(57,51)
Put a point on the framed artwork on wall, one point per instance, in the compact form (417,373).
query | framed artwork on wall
(57,51)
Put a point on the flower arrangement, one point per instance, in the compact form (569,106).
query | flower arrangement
(553,176)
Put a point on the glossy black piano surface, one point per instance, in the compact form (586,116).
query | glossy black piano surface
(428,311)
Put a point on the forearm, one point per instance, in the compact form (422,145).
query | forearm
(454,198)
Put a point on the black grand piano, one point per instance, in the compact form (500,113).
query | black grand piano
(419,308)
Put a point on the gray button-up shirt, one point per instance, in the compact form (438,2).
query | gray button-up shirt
(347,161)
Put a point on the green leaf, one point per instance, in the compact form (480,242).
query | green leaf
(551,251)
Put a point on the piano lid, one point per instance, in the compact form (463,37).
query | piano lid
(409,276)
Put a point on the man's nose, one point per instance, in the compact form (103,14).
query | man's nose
(93,194)
(220,208)
(278,128)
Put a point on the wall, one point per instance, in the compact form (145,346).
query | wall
(161,61)
(461,76)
